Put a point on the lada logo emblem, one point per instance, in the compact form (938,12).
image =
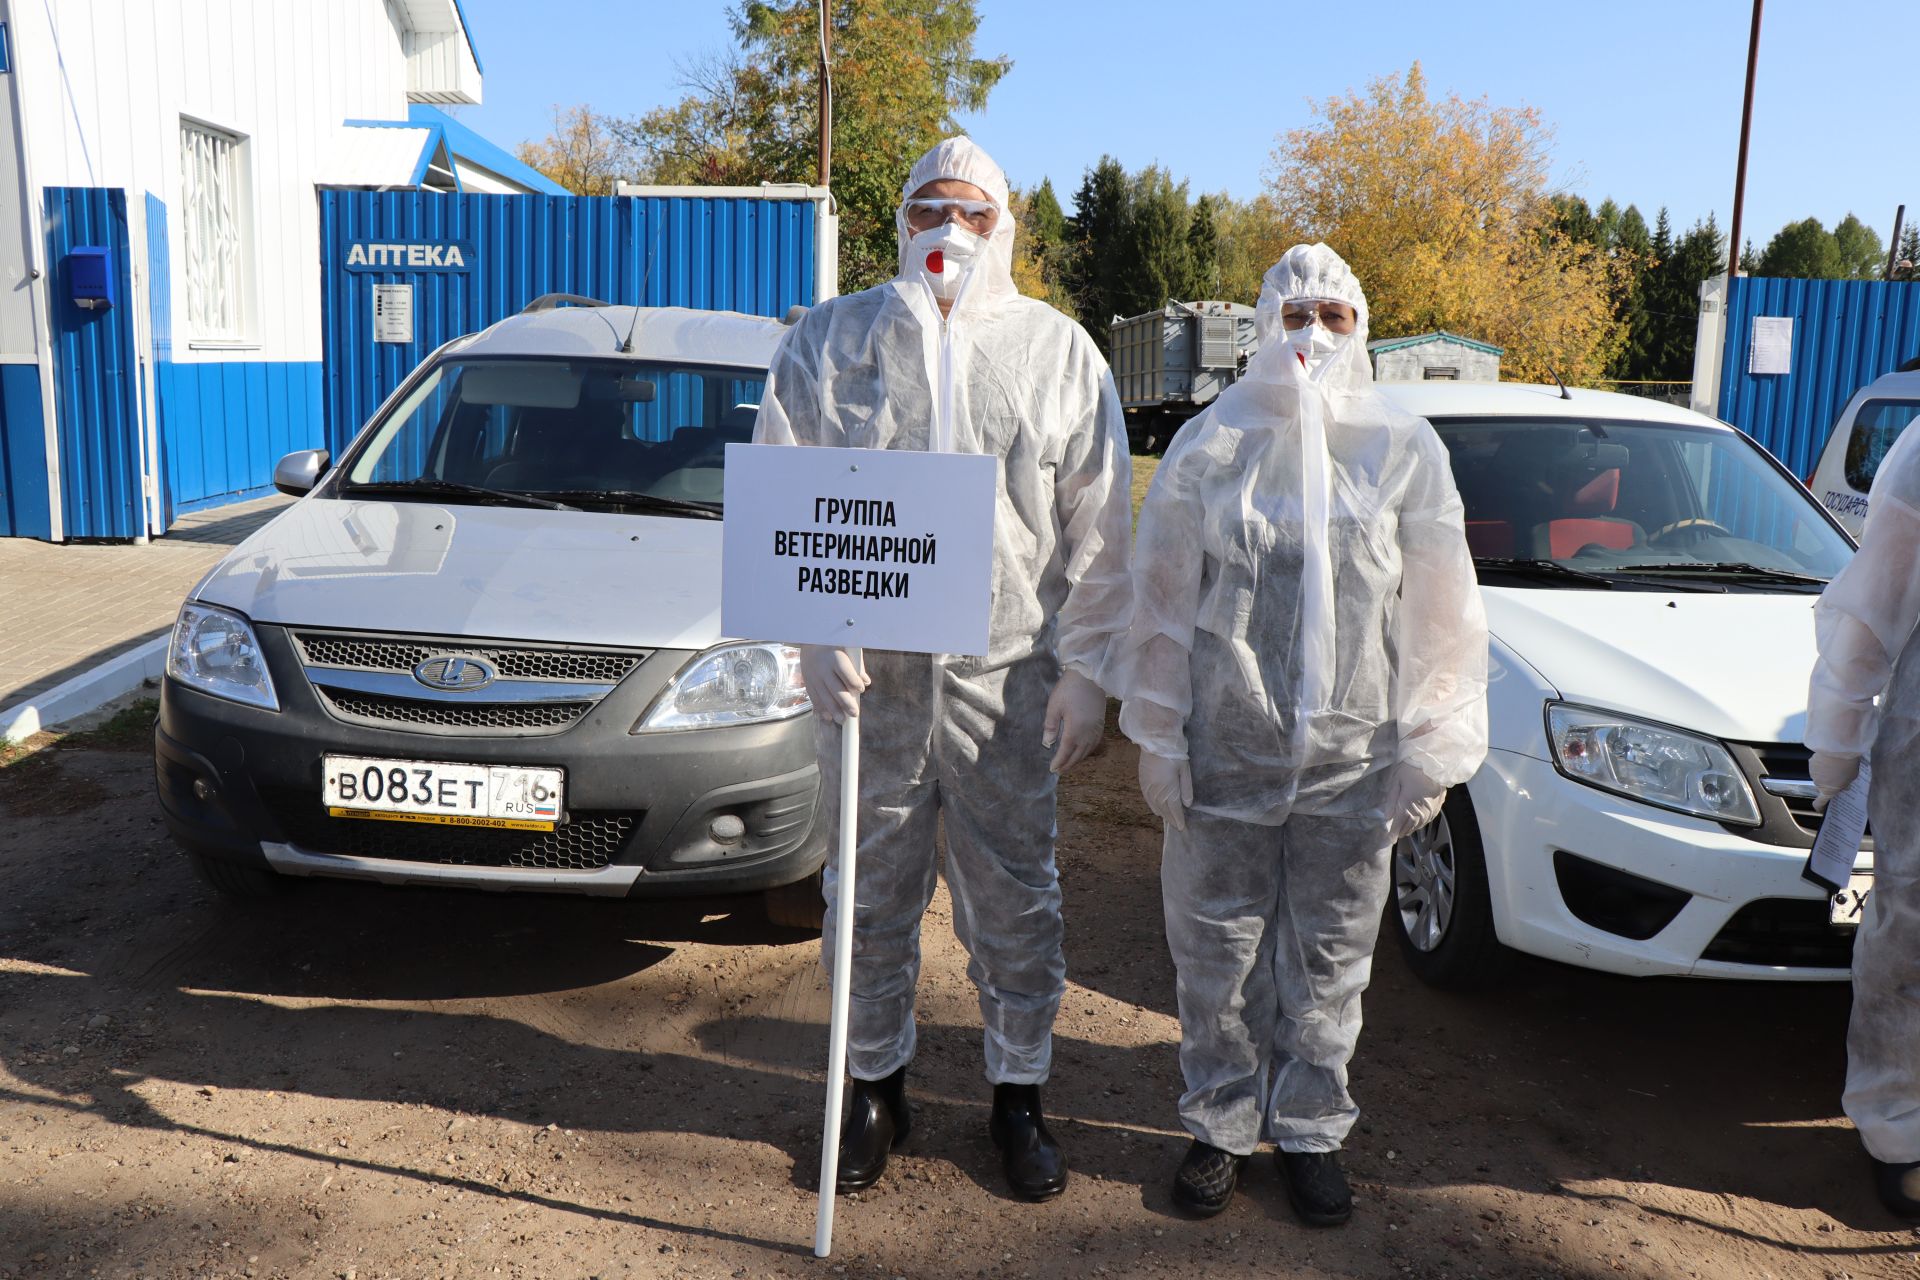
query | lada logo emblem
(454,672)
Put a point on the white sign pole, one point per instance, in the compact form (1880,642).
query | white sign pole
(842,976)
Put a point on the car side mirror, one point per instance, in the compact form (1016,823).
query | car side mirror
(297,473)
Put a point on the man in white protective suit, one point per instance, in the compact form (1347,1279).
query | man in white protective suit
(949,356)
(1865,623)
(1305,674)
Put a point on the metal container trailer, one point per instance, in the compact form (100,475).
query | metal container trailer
(1170,364)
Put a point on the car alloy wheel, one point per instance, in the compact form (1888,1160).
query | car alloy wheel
(1424,883)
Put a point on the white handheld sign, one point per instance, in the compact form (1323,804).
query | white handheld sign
(862,548)
(857,548)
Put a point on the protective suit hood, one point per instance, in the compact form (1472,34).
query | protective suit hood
(1311,273)
(962,159)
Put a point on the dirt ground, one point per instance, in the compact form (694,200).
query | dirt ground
(362,1083)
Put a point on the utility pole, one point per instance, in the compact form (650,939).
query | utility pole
(826,96)
(1746,129)
(1893,245)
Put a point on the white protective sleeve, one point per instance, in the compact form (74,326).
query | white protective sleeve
(1868,611)
(1440,684)
(1155,676)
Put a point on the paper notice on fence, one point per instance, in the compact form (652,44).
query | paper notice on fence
(1842,829)
(1772,348)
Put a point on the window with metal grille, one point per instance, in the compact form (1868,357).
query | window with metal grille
(215,218)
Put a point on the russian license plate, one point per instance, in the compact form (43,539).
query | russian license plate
(464,795)
(1850,904)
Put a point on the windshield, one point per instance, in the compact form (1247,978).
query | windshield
(1633,500)
(596,433)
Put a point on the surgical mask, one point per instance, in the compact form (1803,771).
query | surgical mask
(1315,345)
(944,256)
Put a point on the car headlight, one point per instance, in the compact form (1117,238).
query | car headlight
(215,651)
(1650,763)
(734,684)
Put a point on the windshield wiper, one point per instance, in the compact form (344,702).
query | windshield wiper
(636,499)
(1546,570)
(454,489)
(1729,569)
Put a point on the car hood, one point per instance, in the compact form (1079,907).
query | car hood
(502,572)
(1733,666)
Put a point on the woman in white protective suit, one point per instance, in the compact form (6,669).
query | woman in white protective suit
(949,356)
(1305,674)
(1865,623)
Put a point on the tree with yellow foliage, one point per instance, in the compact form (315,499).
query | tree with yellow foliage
(1443,210)
(584,153)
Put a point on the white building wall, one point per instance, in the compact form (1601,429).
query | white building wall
(106,83)
(1410,364)
(19,314)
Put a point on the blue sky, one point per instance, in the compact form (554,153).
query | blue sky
(1643,96)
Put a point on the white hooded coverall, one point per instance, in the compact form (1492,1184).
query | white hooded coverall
(1306,617)
(1865,623)
(961,737)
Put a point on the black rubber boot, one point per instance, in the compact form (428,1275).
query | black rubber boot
(1035,1167)
(1316,1186)
(877,1121)
(1206,1179)
(1899,1188)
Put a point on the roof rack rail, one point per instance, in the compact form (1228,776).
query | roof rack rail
(551,301)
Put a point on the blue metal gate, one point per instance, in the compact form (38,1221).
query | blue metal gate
(96,392)
(475,259)
(1846,333)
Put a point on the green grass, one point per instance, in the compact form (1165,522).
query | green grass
(1144,465)
(129,729)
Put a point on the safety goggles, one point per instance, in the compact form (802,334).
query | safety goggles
(1332,315)
(975,215)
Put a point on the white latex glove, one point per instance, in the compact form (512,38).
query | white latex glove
(1168,787)
(1413,800)
(1076,717)
(1832,773)
(834,681)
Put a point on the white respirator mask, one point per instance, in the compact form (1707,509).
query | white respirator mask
(944,256)
(1315,345)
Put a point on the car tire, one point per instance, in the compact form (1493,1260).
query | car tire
(800,905)
(247,884)
(1439,905)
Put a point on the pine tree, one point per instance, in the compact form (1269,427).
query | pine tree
(1203,250)
(1092,266)
(1908,264)
(1155,266)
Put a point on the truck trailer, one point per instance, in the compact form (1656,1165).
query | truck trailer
(1170,364)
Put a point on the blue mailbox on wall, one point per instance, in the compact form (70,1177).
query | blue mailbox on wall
(90,276)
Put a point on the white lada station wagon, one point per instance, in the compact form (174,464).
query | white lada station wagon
(484,646)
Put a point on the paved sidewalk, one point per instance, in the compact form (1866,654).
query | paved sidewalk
(66,609)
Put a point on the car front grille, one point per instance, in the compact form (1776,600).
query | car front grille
(1788,762)
(587,842)
(371,679)
(512,662)
(1784,931)
(533,717)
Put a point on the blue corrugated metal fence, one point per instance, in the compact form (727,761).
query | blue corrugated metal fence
(1846,333)
(96,399)
(720,252)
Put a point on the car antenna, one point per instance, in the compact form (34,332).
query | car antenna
(626,345)
(1564,393)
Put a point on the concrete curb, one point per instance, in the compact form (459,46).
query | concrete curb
(88,691)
